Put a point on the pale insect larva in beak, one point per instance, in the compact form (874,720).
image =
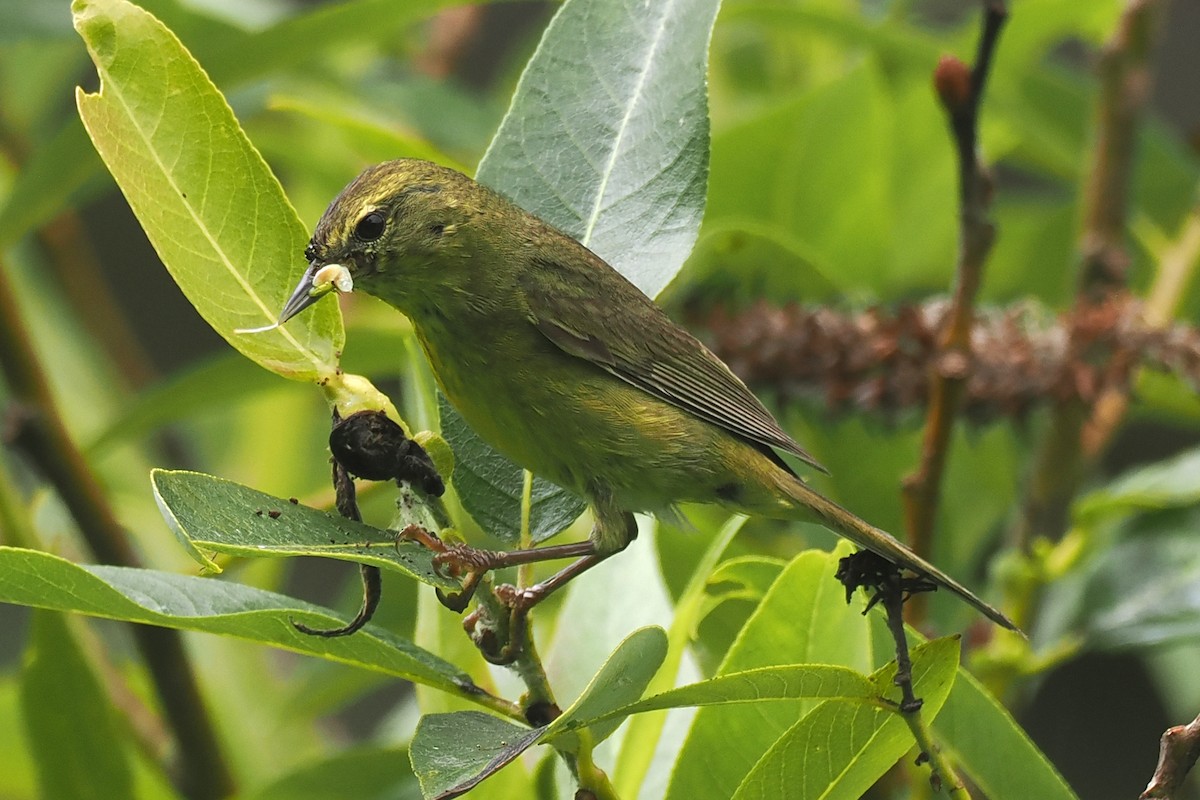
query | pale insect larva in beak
(313,286)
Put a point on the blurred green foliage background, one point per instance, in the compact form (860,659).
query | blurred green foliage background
(832,183)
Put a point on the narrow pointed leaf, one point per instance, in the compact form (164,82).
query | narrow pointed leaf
(790,682)
(453,753)
(803,618)
(211,605)
(986,742)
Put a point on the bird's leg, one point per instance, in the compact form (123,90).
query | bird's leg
(472,563)
(465,558)
(521,600)
(612,533)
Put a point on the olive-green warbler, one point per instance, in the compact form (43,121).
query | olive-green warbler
(566,367)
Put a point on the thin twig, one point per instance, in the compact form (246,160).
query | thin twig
(1178,751)
(1066,454)
(961,94)
(942,775)
(40,431)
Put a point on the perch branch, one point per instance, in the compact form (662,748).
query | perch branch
(1178,750)
(961,94)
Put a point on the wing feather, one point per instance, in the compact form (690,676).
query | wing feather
(615,326)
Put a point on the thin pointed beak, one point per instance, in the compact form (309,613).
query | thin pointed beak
(318,281)
(304,295)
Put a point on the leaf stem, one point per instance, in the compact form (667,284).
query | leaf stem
(525,571)
(591,777)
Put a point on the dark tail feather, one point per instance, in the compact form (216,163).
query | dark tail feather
(877,541)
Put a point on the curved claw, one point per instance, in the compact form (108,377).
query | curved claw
(465,558)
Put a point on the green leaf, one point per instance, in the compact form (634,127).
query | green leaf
(221,381)
(365,135)
(788,682)
(607,137)
(803,619)
(235,55)
(210,205)
(642,736)
(742,578)
(621,681)
(66,163)
(62,701)
(1171,483)
(1145,590)
(738,263)
(986,742)
(209,513)
(490,486)
(843,747)
(210,605)
(779,169)
(452,753)
(364,772)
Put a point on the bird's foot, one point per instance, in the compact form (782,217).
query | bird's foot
(450,561)
(871,571)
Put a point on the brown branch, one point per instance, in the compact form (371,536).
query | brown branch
(37,427)
(1178,750)
(921,489)
(879,361)
(1070,447)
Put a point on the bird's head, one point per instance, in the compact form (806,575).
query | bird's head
(393,225)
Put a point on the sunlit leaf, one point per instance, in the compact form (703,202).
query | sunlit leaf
(842,748)
(210,205)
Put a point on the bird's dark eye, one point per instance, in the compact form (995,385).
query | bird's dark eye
(370,227)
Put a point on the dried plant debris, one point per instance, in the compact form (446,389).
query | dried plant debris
(881,359)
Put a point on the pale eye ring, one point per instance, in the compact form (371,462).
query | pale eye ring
(370,227)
